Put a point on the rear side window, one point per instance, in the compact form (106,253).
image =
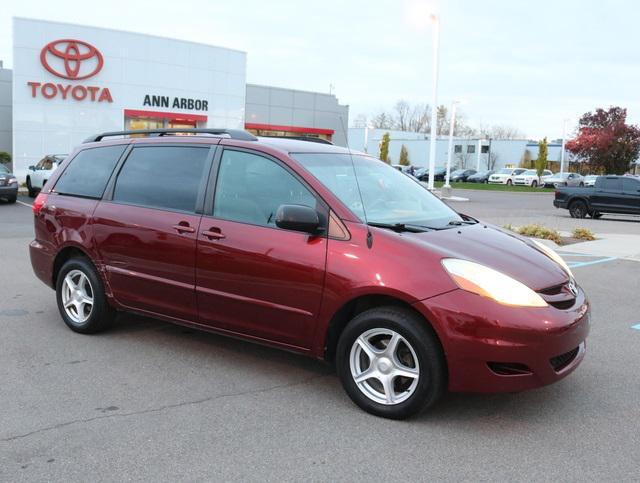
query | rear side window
(165,177)
(611,184)
(89,171)
(630,186)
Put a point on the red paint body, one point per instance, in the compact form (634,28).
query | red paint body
(284,288)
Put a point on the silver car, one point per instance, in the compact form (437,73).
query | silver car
(564,179)
(590,180)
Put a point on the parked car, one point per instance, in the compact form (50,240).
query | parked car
(505,175)
(480,177)
(461,175)
(39,174)
(611,194)
(530,178)
(276,241)
(438,174)
(590,180)
(8,185)
(564,179)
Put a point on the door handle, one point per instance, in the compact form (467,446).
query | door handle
(184,228)
(214,234)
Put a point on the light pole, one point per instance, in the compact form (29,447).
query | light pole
(564,135)
(452,124)
(434,101)
(366,137)
(478,155)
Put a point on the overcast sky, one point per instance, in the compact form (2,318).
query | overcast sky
(521,63)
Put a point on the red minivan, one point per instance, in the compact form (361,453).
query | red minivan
(308,247)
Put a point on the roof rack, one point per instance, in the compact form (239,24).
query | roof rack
(232,133)
(310,139)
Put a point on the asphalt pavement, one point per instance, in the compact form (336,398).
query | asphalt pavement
(151,401)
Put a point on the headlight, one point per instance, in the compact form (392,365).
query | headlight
(485,281)
(553,256)
(12,180)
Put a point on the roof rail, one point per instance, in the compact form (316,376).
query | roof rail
(310,139)
(232,133)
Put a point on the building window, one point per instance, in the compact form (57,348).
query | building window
(471,148)
(485,149)
(457,148)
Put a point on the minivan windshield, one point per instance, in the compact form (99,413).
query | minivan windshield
(388,196)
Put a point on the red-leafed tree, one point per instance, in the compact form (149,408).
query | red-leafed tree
(605,141)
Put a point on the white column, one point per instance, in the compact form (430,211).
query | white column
(564,134)
(366,138)
(452,124)
(434,101)
(478,155)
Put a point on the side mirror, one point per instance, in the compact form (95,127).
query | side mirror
(32,168)
(298,218)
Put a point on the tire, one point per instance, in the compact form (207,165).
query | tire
(12,199)
(596,215)
(421,355)
(85,320)
(486,181)
(30,189)
(581,185)
(534,184)
(578,209)
(509,182)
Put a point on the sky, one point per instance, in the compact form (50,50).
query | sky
(525,64)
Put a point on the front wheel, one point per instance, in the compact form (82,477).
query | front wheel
(81,298)
(30,189)
(534,184)
(509,182)
(391,363)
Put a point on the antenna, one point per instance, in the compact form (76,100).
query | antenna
(355,175)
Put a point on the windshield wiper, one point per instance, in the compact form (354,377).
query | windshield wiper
(462,222)
(400,227)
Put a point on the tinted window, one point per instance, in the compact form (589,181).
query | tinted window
(89,171)
(164,177)
(630,186)
(251,188)
(611,184)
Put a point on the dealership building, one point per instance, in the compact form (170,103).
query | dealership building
(71,81)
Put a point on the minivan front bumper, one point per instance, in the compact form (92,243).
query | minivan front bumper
(496,348)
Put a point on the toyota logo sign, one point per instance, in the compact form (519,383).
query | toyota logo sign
(71,59)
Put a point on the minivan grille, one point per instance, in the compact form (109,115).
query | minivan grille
(559,296)
(563,360)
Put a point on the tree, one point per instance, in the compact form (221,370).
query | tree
(541,161)
(491,160)
(499,132)
(404,156)
(382,120)
(5,158)
(384,148)
(605,141)
(525,160)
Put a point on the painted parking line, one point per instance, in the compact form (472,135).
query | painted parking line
(581,262)
(637,326)
(24,204)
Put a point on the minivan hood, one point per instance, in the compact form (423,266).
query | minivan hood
(491,246)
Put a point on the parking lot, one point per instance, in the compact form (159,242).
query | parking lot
(149,400)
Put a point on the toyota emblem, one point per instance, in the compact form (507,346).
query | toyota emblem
(71,59)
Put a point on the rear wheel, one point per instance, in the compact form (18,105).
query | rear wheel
(534,184)
(390,362)
(509,182)
(30,189)
(81,298)
(581,184)
(578,209)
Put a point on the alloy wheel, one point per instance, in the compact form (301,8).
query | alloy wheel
(384,366)
(77,296)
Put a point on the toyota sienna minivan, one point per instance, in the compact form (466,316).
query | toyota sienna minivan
(311,248)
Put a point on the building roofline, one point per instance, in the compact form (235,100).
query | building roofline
(57,22)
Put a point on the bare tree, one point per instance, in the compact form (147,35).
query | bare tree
(491,160)
(403,115)
(499,132)
(361,121)
(382,120)
(463,158)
